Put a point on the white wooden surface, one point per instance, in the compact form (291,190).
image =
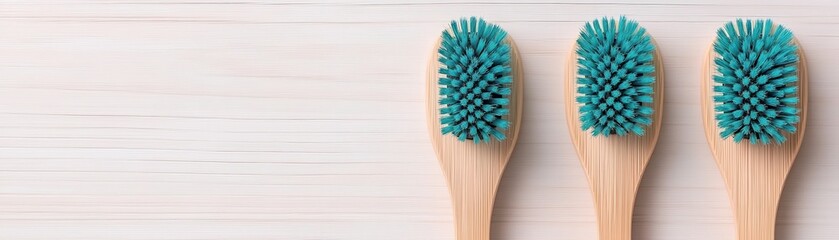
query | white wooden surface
(210,119)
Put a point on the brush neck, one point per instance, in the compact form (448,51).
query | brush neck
(473,186)
(473,214)
(614,216)
(614,183)
(755,191)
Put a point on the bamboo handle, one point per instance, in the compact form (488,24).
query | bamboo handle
(614,184)
(755,193)
(473,222)
(473,196)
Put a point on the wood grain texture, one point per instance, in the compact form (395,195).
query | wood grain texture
(754,173)
(473,171)
(281,120)
(613,165)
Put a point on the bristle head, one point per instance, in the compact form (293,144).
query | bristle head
(475,82)
(615,77)
(756,89)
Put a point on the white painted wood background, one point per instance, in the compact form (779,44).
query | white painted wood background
(211,119)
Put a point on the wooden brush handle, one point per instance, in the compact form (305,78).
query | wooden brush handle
(755,192)
(473,222)
(473,196)
(614,184)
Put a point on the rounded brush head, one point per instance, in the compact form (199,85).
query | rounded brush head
(615,77)
(756,91)
(475,80)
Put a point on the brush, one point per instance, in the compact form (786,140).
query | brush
(474,102)
(754,105)
(614,95)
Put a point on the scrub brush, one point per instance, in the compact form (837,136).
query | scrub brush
(754,105)
(614,91)
(474,102)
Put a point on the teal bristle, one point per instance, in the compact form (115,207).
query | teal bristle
(756,92)
(476,83)
(615,77)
